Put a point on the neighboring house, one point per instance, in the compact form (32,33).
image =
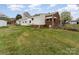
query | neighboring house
(40,20)
(73,22)
(46,20)
(3,23)
(2,20)
(11,22)
(52,20)
(25,20)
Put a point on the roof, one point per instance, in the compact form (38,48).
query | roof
(25,18)
(26,14)
(45,14)
(39,14)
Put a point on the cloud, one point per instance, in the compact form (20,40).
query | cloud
(71,8)
(53,5)
(38,8)
(33,5)
(34,8)
(39,2)
(15,7)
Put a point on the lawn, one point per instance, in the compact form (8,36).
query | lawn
(21,40)
(76,26)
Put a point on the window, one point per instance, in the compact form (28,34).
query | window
(29,21)
(25,21)
(47,19)
(32,18)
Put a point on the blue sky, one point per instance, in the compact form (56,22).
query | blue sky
(12,10)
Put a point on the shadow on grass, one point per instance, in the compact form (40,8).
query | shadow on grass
(4,27)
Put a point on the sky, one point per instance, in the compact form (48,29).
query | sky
(12,10)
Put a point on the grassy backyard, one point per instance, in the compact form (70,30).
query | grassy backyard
(76,26)
(27,40)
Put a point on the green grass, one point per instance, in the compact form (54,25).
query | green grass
(26,40)
(72,26)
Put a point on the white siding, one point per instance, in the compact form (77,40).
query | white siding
(3,23)
(38,20)
(26,22)
(73,22)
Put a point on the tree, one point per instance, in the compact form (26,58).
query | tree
(18,16)
(65,16)
(5,18)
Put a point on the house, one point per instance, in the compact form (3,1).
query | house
(25,20)
(38,20)
(52,20)
(3,23)
(46,20)
(12,21)
(73,22)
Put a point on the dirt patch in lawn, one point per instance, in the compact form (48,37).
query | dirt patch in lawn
(21,40)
